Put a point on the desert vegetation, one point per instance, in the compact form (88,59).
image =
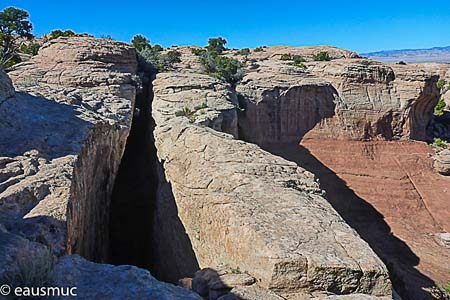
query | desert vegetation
(322,56)
(297,60)
(15,28)
(218,65)
(152,59)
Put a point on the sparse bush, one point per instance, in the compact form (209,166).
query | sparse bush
(151,59)
(447,287)
(216,45)
(106,37)
(236,270)
(186,112)
(259,49)
(298,61)
(440,84)
(197,51)
(158,48)
(140,42)
(285,57)
(300,65)
(59,33)
(201,106)
(222,67)
(244,51)
(438,142)
(33,271)
(30,48)
(439,108)
(322,56)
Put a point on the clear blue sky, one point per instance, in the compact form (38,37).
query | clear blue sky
(357,25)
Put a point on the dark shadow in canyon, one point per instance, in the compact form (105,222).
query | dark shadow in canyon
(366,220)
(133,194)
(145,230)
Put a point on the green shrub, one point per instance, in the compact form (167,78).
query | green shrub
(285,57)
(158,48)
(440,84)
(300,65)
(30,48)
(259,49)
(216,45)
(140,42)
(197,51)
(322,56)
(186,112)
(14,26)
(59,33)
(438,142)
(244,51)
(222,67)
(201,106)
(447,287)
(439,108)
(151,60)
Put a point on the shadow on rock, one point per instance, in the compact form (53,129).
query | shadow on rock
(367,221)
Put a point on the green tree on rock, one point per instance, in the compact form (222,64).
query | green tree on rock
(14,25)
(140,42)
(216,45)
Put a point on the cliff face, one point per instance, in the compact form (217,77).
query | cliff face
(344,98)
(70,122)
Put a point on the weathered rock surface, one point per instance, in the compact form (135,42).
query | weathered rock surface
(344,98)
(442,162)
(61,140)
(6,87)
(257,212)
(102,281)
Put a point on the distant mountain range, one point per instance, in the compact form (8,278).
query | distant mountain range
(436,54)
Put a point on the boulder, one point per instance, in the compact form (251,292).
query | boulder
(102,281)
(442,162)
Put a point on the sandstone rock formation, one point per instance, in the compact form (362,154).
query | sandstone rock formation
(63,136)
(218,198)
(102,281)
(253,197)
(442,162)
(345,98)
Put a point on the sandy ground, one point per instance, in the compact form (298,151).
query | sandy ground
(388,192)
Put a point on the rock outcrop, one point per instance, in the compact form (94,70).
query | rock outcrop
(63,136)
(219,199)
(345,98)
(442,162)
(101,281)
(244,207)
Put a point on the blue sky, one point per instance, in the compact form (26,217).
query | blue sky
(357,25)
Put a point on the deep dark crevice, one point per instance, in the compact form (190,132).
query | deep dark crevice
(134,191)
